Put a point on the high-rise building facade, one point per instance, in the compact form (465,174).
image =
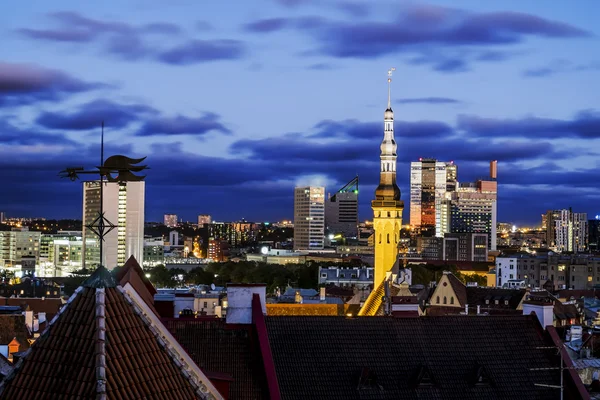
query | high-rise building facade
(170,220)
(594,234)
(17,244)
(204,219)
(124,207)
(387,206)
(309,218)
(566,230)
(430,180)
(473,209)
(341,211)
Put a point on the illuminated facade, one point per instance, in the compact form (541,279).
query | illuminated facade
(124,207)
(17,244)
(170,220)
(204,219)
(309,218)
(387,206)
(430,181)
(566,230)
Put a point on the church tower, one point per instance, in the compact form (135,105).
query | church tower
(387,206)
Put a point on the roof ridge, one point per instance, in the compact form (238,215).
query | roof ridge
(100,347)
(204,387)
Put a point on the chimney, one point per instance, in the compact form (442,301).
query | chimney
(544,311)
(494,169)
(322,294)
(29,319)
(239,301)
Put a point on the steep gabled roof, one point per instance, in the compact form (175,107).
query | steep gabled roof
(106,343)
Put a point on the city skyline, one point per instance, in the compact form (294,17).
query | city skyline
(515,83)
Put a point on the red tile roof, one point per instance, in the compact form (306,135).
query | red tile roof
(66,361)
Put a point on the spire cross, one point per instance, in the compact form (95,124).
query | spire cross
(390,71)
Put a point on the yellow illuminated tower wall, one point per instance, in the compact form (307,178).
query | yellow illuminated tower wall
(387,206)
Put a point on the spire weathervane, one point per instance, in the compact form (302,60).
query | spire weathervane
(120,165)
(390,71)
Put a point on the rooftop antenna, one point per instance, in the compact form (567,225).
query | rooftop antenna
(390,71)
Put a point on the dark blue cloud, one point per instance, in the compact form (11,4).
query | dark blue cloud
(92,114)
(354,8)
(585,124)
(132,43)
(14,136)
(448,39)
(428,100)
(559,66)
(196,51)
(181,125)
(25,83)
(267,25)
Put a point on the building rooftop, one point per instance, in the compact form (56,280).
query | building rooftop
(409,358)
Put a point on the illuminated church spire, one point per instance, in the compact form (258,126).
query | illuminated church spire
(388,189)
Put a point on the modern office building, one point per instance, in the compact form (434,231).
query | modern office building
(2,217)
(17,244)
(170,220)
(465,247)
(566,230)
(309,218)
(341,211)
(124,207)
(473,209)
(430,180)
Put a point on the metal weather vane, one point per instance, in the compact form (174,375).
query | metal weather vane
(122,168)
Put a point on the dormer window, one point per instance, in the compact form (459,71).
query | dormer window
(423,377)
(480,376)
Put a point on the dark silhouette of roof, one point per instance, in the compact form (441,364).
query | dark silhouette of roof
(13,327)
(454,357)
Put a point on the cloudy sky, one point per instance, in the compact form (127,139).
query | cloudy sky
(235,103)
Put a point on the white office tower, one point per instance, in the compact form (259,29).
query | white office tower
(124,207)
(309,218)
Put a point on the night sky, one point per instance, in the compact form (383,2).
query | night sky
(235,103)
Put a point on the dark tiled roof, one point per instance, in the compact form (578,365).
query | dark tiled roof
(410,358)
(217,347)
(459,289)
(48,305)
(62,363)
(5,367)
(11,327)
(479,296)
